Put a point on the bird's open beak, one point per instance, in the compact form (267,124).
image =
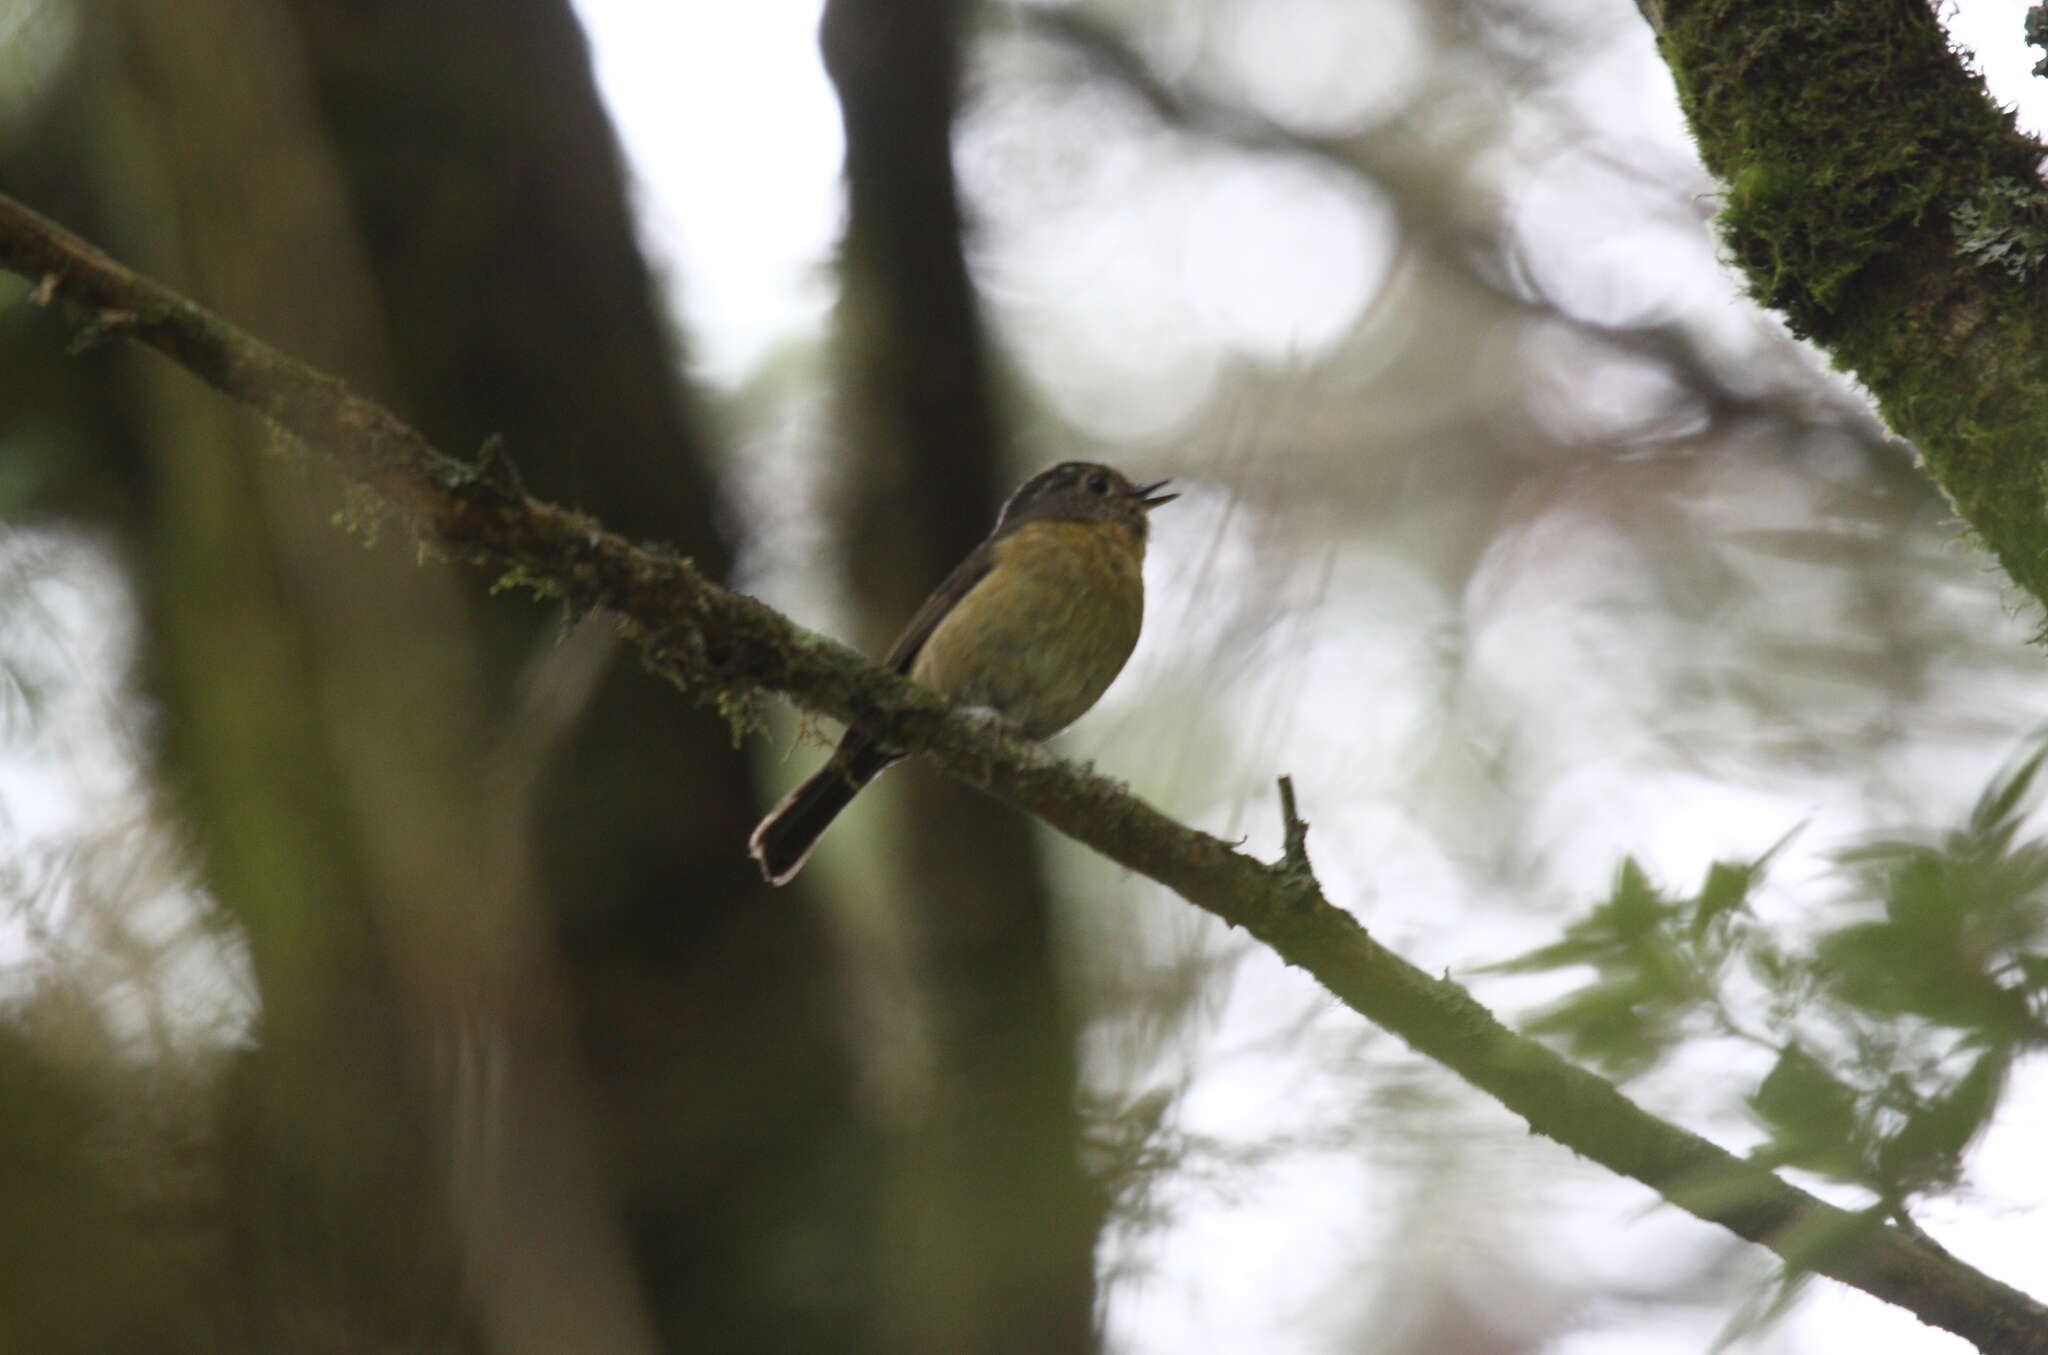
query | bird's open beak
(1149,500)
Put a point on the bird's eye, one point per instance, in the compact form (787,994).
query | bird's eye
(1098,483)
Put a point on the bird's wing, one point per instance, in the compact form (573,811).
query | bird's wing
(958,585)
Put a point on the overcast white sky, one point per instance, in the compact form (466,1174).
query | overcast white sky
(746,224)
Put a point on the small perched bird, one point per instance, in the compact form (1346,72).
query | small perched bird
(1031,629)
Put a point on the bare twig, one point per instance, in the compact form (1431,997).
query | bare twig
(1294,855)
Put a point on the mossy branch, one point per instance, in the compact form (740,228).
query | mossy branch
(1887,207)
(721,647)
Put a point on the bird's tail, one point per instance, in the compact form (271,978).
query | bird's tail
(784,839)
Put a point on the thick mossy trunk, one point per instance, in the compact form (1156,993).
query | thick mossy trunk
(1881,202)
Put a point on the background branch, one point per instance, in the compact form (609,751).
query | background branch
(721,648)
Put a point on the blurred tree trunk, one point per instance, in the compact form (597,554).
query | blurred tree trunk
(488,185)
(427,198)
(992,1224)
(331,1183)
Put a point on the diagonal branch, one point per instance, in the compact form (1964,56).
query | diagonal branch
(721,647)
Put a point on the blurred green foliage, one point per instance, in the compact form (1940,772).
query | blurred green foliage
(1894,1028)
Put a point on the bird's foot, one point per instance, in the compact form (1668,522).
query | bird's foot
(994,721)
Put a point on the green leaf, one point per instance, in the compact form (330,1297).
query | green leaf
(1814,1117)
(1927,1151)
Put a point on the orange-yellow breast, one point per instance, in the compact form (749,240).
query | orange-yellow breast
(1044,633)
